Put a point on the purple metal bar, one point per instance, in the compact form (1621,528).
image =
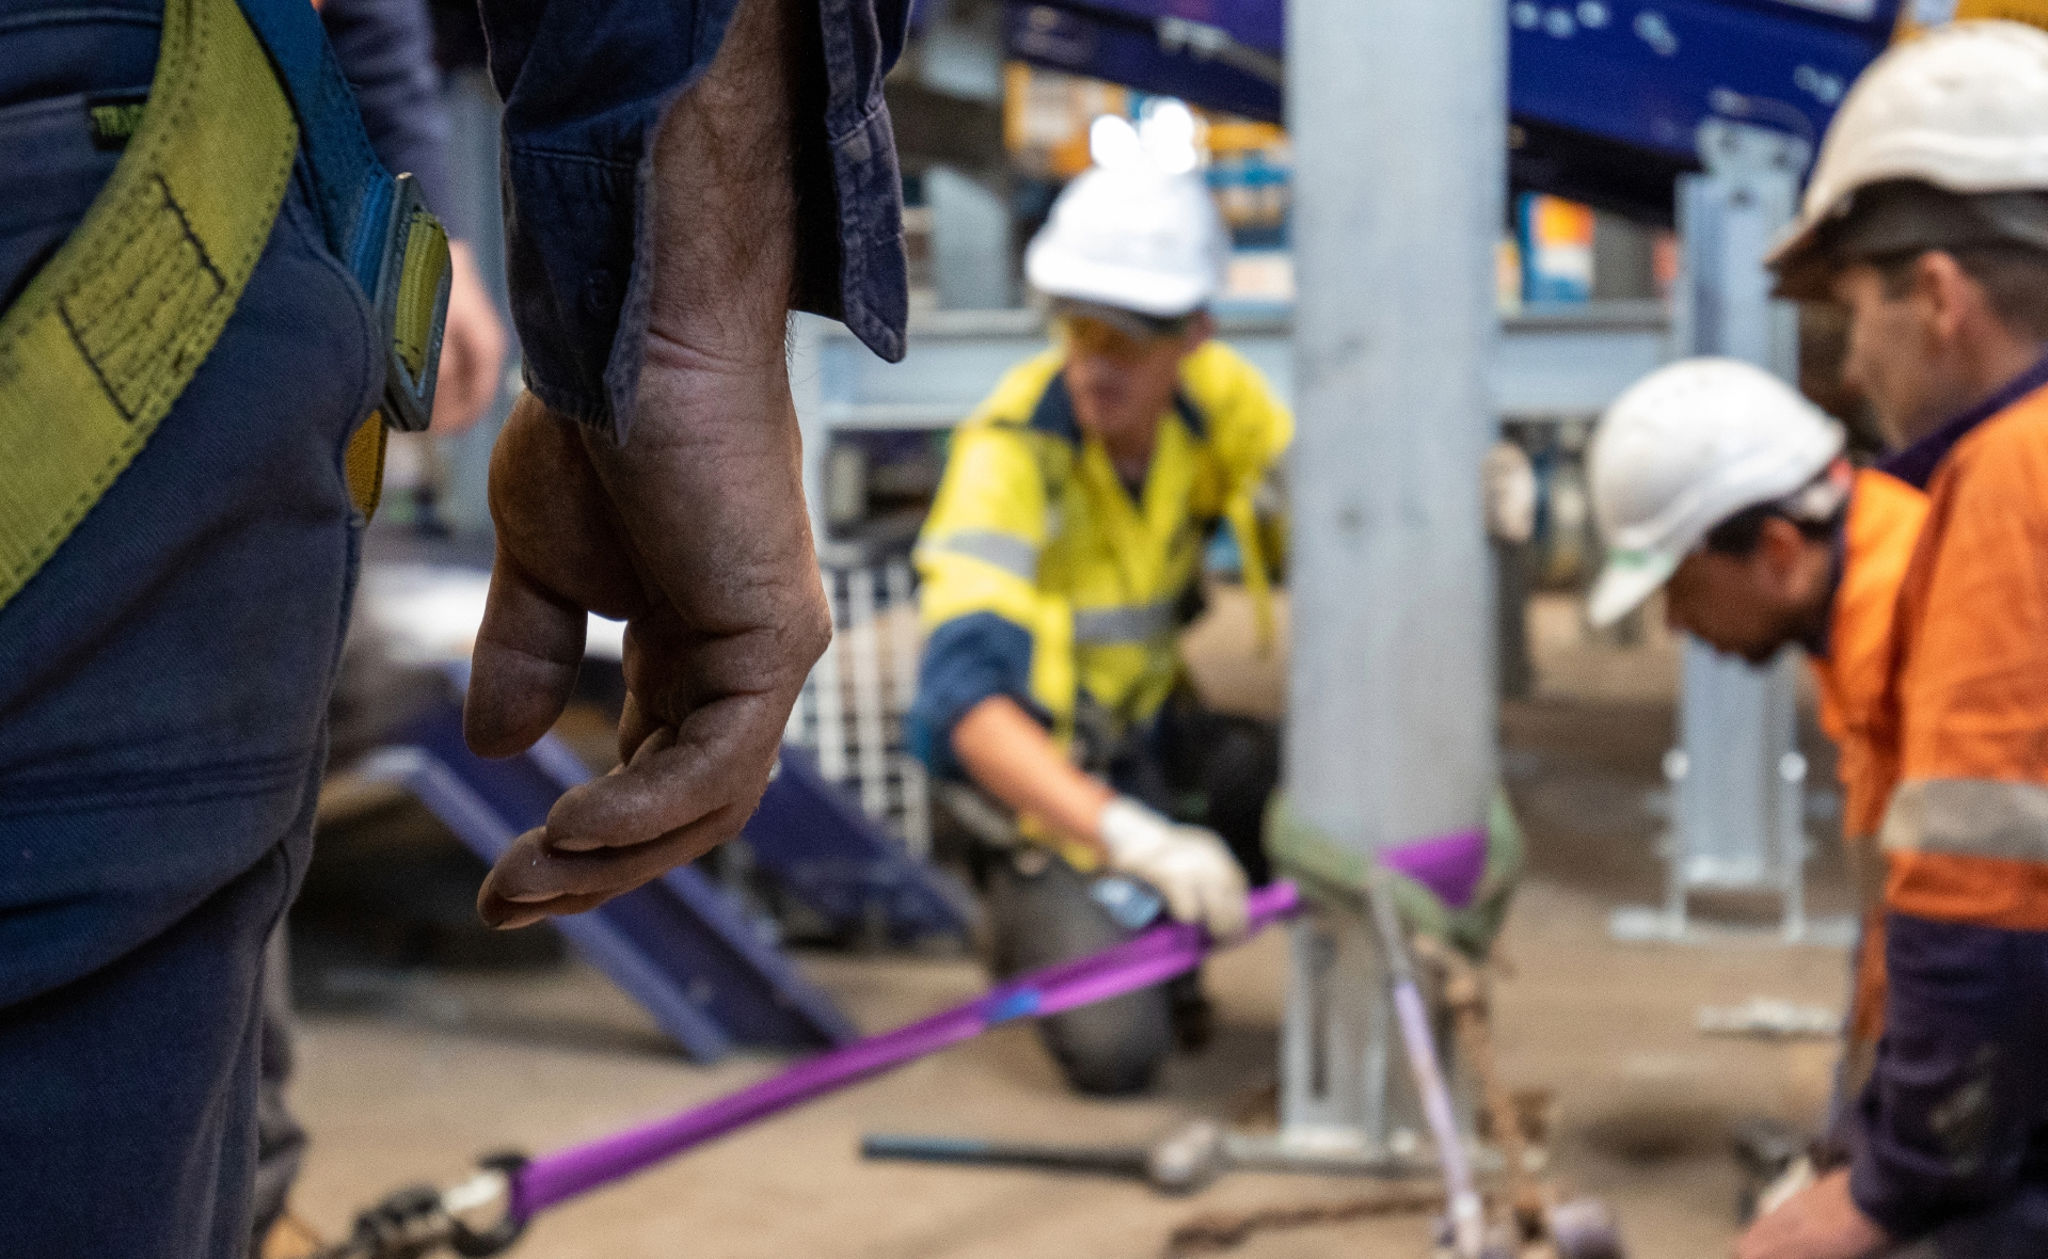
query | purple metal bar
(1158,954)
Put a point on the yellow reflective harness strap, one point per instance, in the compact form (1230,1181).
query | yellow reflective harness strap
(111,330)
(363,462)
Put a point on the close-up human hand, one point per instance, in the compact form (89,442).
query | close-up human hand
(692,529)
(701,545)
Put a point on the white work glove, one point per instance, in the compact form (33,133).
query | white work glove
(1189,866)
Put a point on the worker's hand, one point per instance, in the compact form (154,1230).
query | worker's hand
(1189,866)
(1821,1221)
(472,347)
(694,533)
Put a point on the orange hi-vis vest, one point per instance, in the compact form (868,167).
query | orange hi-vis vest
(1966,832)
(1885,518)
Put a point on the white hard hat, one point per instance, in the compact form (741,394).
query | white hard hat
(1134,238)
(1682,450)
(1964,108)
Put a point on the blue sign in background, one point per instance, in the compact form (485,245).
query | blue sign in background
(1620,77)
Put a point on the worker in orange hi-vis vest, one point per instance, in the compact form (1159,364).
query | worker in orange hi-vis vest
(1927,219)
(1717,482)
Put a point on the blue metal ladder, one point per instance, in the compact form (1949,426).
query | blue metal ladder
(816,842)
(681,946)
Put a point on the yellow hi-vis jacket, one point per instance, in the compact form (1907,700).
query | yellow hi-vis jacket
(1043,579)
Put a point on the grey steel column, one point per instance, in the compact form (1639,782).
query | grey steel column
(971,259)
(1398,116)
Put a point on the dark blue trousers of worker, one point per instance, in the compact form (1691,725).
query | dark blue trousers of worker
(1950,1136)
(162,684)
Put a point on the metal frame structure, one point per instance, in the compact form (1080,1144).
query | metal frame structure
(680,946)
(1561,362)
(1737,778)
(851,710)
(693,954)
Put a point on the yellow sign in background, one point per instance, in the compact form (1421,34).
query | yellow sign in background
(1919,15)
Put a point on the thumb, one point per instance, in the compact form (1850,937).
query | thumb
(523,669)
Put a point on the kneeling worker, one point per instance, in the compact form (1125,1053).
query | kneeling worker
(1062,557)
(1716,481)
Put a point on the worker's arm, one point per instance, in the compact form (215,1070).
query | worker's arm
(1953,1107)
(692,529)
(1009,755)
(587,85)
(386,49)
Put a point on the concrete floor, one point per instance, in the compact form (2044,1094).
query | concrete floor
(445,1065)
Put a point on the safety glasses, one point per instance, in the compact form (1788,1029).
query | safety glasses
(1120,341)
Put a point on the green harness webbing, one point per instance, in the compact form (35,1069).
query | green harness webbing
(111,330)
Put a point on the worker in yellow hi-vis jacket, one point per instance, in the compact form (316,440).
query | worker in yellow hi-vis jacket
(1061,560)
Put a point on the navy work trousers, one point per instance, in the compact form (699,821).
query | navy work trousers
(162,685)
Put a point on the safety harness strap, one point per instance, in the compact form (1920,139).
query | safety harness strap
(374,220)
(109,332)
(351,188)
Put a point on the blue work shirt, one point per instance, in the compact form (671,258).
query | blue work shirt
(386,48)
(584,83)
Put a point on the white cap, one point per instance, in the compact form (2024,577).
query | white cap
(1964,108)
(1135,238)
(1682,450)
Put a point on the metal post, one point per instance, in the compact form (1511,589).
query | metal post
(1399,181)
(905,645)
(971,261)
(1737,779)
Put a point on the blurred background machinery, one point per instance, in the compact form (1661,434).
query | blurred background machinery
(1648,145)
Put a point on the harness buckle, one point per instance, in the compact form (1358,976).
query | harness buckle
(413,278)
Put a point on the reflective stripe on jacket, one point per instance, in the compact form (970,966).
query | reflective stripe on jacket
(1044,580)
(1967,829)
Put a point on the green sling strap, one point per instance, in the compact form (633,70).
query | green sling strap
(111,330)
